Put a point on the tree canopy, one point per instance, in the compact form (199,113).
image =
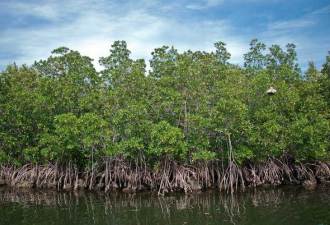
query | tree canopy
(185,107)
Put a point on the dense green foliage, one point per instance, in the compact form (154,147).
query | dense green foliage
(189,106)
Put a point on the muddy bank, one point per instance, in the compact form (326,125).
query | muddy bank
(169,176)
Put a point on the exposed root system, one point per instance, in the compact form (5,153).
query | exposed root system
(117,174)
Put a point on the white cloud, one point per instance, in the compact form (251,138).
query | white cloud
(46,11)
(91,26)
(91,32)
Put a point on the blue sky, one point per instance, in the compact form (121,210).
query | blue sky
(30,29)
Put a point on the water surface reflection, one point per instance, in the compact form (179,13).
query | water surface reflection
(289,205)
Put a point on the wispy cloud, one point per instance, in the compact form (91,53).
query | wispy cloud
(92,25)
(46,11)
(206,4)
(291,24)
(93,31)
(304,21)
(323,10)
(198,5)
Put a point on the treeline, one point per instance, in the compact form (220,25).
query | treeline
(189,107)
(186,107)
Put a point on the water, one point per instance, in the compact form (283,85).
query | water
(289,205)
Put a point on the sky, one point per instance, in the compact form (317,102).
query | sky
(31,29)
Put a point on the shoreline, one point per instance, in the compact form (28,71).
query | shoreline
(117,175)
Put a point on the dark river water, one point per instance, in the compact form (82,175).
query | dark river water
(286,205)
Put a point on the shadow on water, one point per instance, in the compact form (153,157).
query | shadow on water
(288,205)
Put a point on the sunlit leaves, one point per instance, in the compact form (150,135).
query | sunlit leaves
(166,140)
(185,108)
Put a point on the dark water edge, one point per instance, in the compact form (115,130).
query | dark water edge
(281,205)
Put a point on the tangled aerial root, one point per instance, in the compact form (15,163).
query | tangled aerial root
(119,174)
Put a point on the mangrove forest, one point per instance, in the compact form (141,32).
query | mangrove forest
(183,121)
